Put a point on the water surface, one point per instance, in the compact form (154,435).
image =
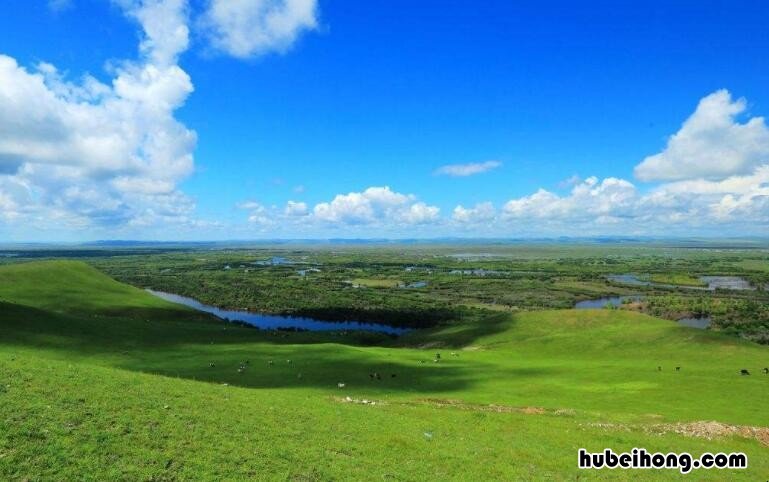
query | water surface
(726,282)
(598,303)
(272,322)
(700,322)
(713,282)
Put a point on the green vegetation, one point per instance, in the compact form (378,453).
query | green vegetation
(366,283)
(376,283)
(681,279)
(103,381)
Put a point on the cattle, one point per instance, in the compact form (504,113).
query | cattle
(659,369)
(744,372)
(340,385)
(678,369)
(765,370)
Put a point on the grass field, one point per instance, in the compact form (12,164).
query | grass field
(102,381)
(677,279)
(376,283)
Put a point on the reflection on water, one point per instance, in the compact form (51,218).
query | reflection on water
(701,322)
(713,282)
(603,302)
(275,321)
(628,279)
(726,282)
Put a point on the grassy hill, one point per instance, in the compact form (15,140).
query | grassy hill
(102,381)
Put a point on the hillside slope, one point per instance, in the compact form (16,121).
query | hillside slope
(102,379)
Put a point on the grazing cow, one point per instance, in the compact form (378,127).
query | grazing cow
(212,365)
(340,385)
(744,372)
(678,369)
(437,356)
(766,370)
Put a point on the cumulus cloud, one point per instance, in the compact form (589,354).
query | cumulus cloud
(245,28)
(480,213)
(714,173)
(375,204)
(296,208)
(86,152)
(379,207)
(463,170)
(81,152)
(588,199)
(711,144)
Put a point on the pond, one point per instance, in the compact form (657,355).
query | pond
(701,322)
(272,322)
(418,284)
(713,282)
(726,282)
(598,303)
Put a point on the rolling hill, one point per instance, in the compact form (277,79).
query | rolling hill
(103,381)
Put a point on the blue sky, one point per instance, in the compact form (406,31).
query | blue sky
(353,110)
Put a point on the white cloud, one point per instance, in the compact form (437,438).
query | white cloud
(296,208)
(711,144)
(246,28)
(378,207)
(258,214)
(90,153)
(480,213)
(588,199)
(462,170)
(375,203)
(418,213)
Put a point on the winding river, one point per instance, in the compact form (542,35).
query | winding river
(273,322)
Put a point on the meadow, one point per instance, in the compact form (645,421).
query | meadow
(100,380)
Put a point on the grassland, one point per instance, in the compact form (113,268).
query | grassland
(681,279)
(364,282)
(101,381)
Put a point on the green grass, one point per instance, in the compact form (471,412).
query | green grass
(376,282)
(101,381)
(677,279)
